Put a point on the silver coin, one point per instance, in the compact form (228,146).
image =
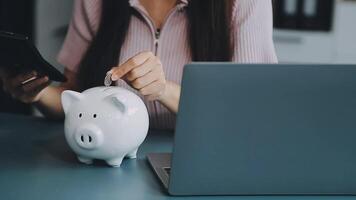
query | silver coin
(107,80)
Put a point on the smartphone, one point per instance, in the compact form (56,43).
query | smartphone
(19,55)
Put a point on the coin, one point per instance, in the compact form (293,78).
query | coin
(107,80)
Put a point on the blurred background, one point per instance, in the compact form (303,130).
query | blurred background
(306,31)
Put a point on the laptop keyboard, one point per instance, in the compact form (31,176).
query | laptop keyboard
(167,170)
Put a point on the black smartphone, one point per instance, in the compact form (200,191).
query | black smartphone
(18,55)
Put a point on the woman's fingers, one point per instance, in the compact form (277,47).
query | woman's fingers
(34,85)
(140,71)
(40,88)
(10,84)
(145,80)
(25,87)
(134,62)
(18,80)
(143,72)
(31,96)
(29,92)
(24,77)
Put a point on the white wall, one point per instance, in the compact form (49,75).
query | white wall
(51,19)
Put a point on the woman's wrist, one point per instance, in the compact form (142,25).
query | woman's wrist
(40,96)
(170,96)
(49,103)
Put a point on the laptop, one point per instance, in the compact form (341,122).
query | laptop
(263,130)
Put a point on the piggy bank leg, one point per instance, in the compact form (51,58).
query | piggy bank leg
(84,160)
(116,162)
(132,154)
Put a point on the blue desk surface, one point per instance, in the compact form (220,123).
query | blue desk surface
(36,163)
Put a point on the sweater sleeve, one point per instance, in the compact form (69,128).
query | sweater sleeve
(82,28)
(253,32)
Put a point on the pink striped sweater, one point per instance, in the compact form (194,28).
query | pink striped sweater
(253,41)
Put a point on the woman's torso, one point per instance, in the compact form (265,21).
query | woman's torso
(169,44)
(252,39)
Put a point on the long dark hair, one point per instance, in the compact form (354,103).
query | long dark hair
(209,32)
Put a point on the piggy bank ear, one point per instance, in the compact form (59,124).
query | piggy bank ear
(68,98)
(119,101)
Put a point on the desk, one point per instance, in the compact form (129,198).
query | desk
(36,163)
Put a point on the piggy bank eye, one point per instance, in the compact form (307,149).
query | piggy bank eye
(80,115)
(94,115)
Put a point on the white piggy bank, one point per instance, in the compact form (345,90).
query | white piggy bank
(107,123)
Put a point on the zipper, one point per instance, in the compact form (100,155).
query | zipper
(156,34)
(156,41)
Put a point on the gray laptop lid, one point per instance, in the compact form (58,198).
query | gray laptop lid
(265,129)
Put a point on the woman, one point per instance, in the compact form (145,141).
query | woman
(146,43)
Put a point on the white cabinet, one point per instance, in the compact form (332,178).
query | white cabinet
(306,47)
(337,46)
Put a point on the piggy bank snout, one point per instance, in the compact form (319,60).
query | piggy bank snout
(88,137)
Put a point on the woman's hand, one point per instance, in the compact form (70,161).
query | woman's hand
(144,72)
(26,87)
